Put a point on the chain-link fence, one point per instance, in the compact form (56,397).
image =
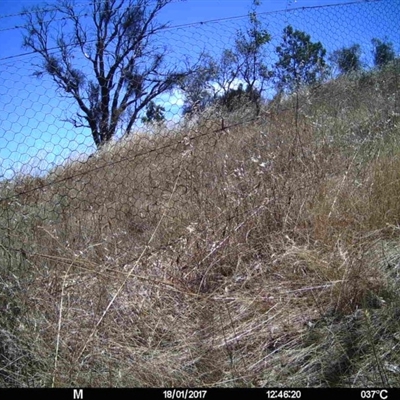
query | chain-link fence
(176,205)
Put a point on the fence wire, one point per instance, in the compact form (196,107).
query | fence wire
(188,182)
(46,165)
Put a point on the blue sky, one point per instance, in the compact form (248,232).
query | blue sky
(33,135)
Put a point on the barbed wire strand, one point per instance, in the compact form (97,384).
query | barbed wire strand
(192,24)
(21,13)
(86,14)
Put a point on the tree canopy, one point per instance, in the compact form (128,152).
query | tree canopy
(300,61)
(383,52)
(154,113)
(239,74)
(246,62)
(198,87)
(347,59)
(107,60)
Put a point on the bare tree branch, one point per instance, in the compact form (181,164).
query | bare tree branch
(107,59)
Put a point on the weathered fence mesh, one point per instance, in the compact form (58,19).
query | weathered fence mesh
(36,142)
(156,223)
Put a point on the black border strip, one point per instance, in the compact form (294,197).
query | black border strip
(199,393)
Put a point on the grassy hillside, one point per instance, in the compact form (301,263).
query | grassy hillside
(266,254)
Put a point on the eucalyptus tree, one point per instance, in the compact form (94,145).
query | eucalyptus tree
(108,58)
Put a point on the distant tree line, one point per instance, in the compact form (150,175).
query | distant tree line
(128,71)
(301,62)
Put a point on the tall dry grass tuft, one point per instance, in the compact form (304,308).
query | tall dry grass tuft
(249,256)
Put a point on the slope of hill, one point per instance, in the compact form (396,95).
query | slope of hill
(264,254)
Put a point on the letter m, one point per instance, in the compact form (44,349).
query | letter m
(78,394)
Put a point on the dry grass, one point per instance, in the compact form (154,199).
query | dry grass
(263,255)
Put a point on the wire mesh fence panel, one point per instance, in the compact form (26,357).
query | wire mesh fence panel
(37,129)
(170,170)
